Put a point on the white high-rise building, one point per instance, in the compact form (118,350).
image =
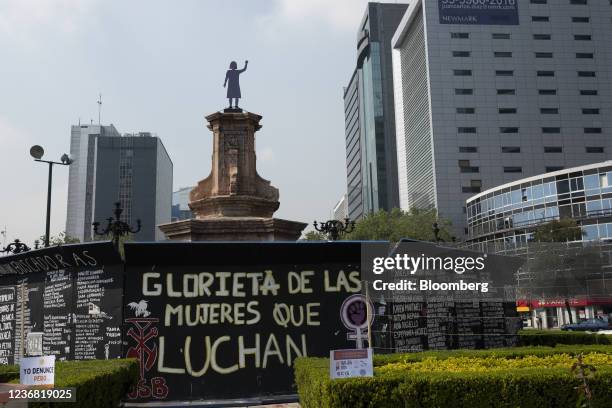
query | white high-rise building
(495,91)
(133,169)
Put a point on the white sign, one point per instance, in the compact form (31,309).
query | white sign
(351,363)
(34,344)
(37,370)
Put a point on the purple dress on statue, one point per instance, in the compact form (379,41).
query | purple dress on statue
(233,78)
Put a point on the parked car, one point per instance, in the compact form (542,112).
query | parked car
(588,325)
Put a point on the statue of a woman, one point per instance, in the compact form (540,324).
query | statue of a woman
(233,75)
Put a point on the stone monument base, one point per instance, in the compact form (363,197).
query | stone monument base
(233,229)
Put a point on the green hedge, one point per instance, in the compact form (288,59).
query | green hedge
(8,373)
(98,383)
(553,337)
(551,387)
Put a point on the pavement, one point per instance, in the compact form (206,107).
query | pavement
(278,402)
(199,404)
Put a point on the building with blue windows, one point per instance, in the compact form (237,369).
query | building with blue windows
(506,216)
(371,157)
(180,204)
(505,219)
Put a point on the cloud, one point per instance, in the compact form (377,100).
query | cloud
(25,19)
(340,15)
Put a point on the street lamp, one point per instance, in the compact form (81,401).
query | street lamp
(37,153)
(16,247)
(333,228)
(436,231)
(115,227)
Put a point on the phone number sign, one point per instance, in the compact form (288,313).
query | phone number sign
(483,12)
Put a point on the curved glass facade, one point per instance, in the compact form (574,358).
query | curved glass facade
(506,216)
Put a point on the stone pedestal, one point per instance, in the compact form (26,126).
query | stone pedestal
(233,203)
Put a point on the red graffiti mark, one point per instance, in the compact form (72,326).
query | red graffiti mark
(146,356)
(159,387)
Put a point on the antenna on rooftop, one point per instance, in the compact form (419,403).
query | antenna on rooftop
(99,109)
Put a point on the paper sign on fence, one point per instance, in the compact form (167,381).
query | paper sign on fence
(351,363)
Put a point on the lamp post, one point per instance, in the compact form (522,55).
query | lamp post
(436,231)
(115,227)
(333,228)
(37,153)
(16,247)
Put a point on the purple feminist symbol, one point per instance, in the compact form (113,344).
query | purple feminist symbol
(357,313)
(353,314)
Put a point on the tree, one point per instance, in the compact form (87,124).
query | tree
(562,230)
(314,236)
(397,224)
(60,239)
(129,237)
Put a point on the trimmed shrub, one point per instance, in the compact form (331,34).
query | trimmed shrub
(553,337)
(461,385)
(98,383)
(8,373)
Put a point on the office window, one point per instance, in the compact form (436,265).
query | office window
(466,111)
(542,37)
(589,92)
(551,130)
(582,37)
(513,169)
(540,19)
(508,130)
(543,54)
(502,54)
(500,36)
(468,149)
(461,53)
(592,130)
(580,2)
(580,19)
(546,73)
(465,167)
(504,73)
(507,110)
(466,130)
(594,149)
(474,187)
(506,91)
(547,91)
(549,111)
(511,149)
(460,35)
(464,91)
(590,111)
(550,169)
(586,74)
(584,55)
(553,149)
(538,1)
(462,72)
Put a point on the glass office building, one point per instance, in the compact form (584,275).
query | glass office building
(133,169)
(506,216)
(371,157)
(557,278)
(485,98)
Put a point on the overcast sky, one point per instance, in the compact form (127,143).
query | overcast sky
(160,67)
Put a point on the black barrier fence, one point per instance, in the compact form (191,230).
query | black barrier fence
(63,300)
(212,320)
